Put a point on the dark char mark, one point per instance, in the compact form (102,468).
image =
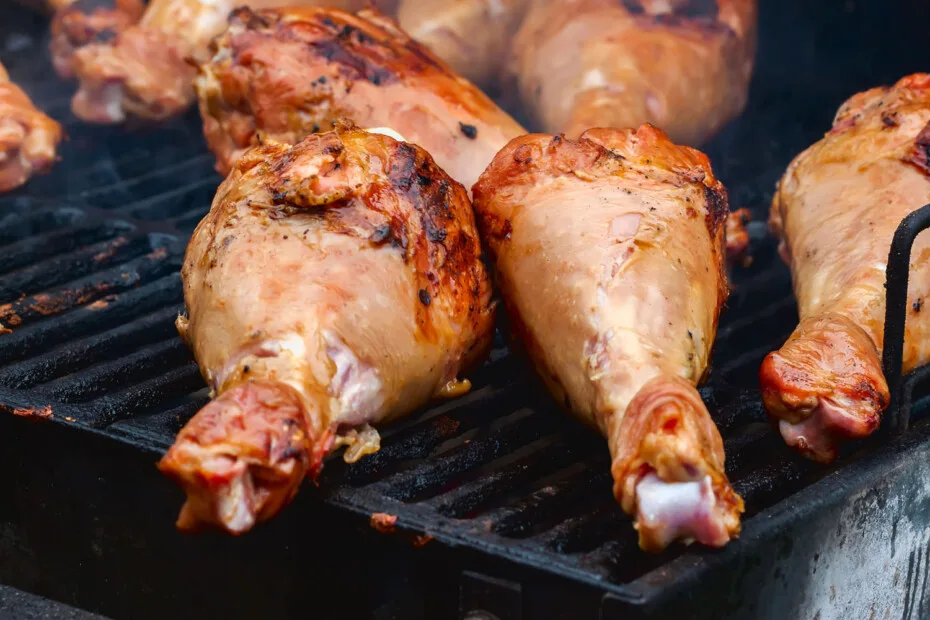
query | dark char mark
(717,208)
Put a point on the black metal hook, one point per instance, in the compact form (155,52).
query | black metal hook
(897,416)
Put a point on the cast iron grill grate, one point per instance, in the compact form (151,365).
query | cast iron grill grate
(90,301)
(90,294)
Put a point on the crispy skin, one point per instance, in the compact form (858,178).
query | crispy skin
(471,35)
(610,256)
(28,138)
(145,71)
(283,74)
(683,65)
(836,210)
(334,284)
(85,22)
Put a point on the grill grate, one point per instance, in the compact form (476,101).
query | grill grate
(93,298)
(91,292)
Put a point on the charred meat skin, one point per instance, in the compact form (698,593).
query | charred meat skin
(682,65)
(610,252)
(334,285)
(283,74)
(836,210)
(85,22)
(28,138)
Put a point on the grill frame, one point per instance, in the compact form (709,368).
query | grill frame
(168,217)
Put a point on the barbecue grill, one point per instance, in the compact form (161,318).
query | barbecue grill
(503,505)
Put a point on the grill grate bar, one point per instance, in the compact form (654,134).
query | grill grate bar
(158,429)
(87,289)
(771,481)
(475,494)
(16,227)
(139,397)
(103,378)
(39,337)
(441,470)
(586,531)
(153,181)
(60,269)
(565,492)
(33,249)
(78,354)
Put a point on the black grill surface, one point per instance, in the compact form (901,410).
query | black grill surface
(89,288)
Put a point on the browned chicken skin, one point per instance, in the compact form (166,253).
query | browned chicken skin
(471,35)
(85,22)
(610,256)
(283,74)
(28,138)
(146,70)
(836,210)
(334,284)
(683,65)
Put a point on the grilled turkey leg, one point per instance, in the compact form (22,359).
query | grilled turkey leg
(286,73)
(836,210)
(334,285)
(682,65)
(471,35)
(28,138)
(610,256)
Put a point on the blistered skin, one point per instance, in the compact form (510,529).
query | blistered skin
(85,22)
(682,65)
(471,35)
(28,138)
(836,210)
(286,73)
(145,71)
(334,285)
(610,255)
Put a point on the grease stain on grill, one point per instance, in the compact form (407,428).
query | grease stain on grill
(44,413)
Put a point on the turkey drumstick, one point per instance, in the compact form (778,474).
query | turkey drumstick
(683,65)
(334,284)
(28,138)
(471,35)
(836,209)
(610,253)
(286,73)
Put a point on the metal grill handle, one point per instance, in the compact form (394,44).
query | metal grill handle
(897,416)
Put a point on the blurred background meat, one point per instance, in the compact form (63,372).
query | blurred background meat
(28,138)
(682,65)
